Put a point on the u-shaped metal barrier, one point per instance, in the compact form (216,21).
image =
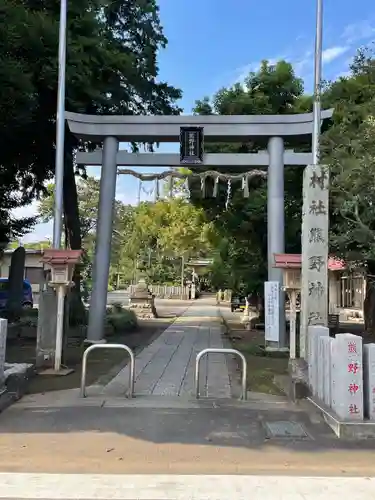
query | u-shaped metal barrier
(108,346)
(221,351)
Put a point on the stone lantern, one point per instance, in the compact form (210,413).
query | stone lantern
(291,265)
(62,263)
(143,301)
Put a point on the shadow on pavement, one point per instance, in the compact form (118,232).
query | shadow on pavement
(208,424)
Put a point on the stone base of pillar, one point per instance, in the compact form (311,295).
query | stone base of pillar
(275,347)
(144,310)
(298,372)
(89,342)
(60,373)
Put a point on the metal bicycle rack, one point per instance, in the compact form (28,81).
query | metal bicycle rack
(221,351)
(108,346)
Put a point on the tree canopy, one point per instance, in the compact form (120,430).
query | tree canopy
(112,67)
(112,49)
(152,233)
(348,150)
(241,256)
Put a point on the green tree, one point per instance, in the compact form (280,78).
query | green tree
(241,230)
(173,227)
(112,49)
(111,68)
(348,149)
(88,201)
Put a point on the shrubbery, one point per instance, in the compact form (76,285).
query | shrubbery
(122,321)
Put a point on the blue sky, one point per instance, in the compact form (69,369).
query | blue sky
(212,45)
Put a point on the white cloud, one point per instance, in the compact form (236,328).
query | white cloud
(345,43)
(363,30)
(333,53)
(303,63)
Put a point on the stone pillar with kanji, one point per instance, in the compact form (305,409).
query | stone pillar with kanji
(369,380)
(314,279)
(347,377)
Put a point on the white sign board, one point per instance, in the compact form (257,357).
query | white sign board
(272,311)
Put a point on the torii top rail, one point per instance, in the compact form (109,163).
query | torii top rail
(160,128)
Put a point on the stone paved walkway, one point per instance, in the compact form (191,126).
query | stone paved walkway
(166,367)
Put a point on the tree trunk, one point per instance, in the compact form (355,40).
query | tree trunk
(369,304)
(77,313)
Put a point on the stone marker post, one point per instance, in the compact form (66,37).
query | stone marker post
(314,281)
(46,331)
(314,362)
(3,344)
(369,380)
(347,377)
(326,368)
(320,369)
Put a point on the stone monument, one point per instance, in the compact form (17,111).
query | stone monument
(142,301)
(326,345)
(15,280)
(314,282)
(347,377)
(369,380)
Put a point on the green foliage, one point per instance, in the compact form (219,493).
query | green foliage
(240,234)
(164,233)
(88,200)
(122,321)
(37,245)
(173,228)
(349,151)
(112,67)
(347,148)
(152,236)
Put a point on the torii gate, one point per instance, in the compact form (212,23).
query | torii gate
(272,130)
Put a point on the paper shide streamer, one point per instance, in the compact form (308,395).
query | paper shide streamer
(212,175)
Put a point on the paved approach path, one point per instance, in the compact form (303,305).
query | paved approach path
(164,434)
(166,367)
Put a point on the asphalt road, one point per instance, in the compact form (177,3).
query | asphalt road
(118,297)
(122,297)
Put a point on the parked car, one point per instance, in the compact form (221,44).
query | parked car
(28,301)
(238,303)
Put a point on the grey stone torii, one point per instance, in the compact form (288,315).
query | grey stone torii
(272,130)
